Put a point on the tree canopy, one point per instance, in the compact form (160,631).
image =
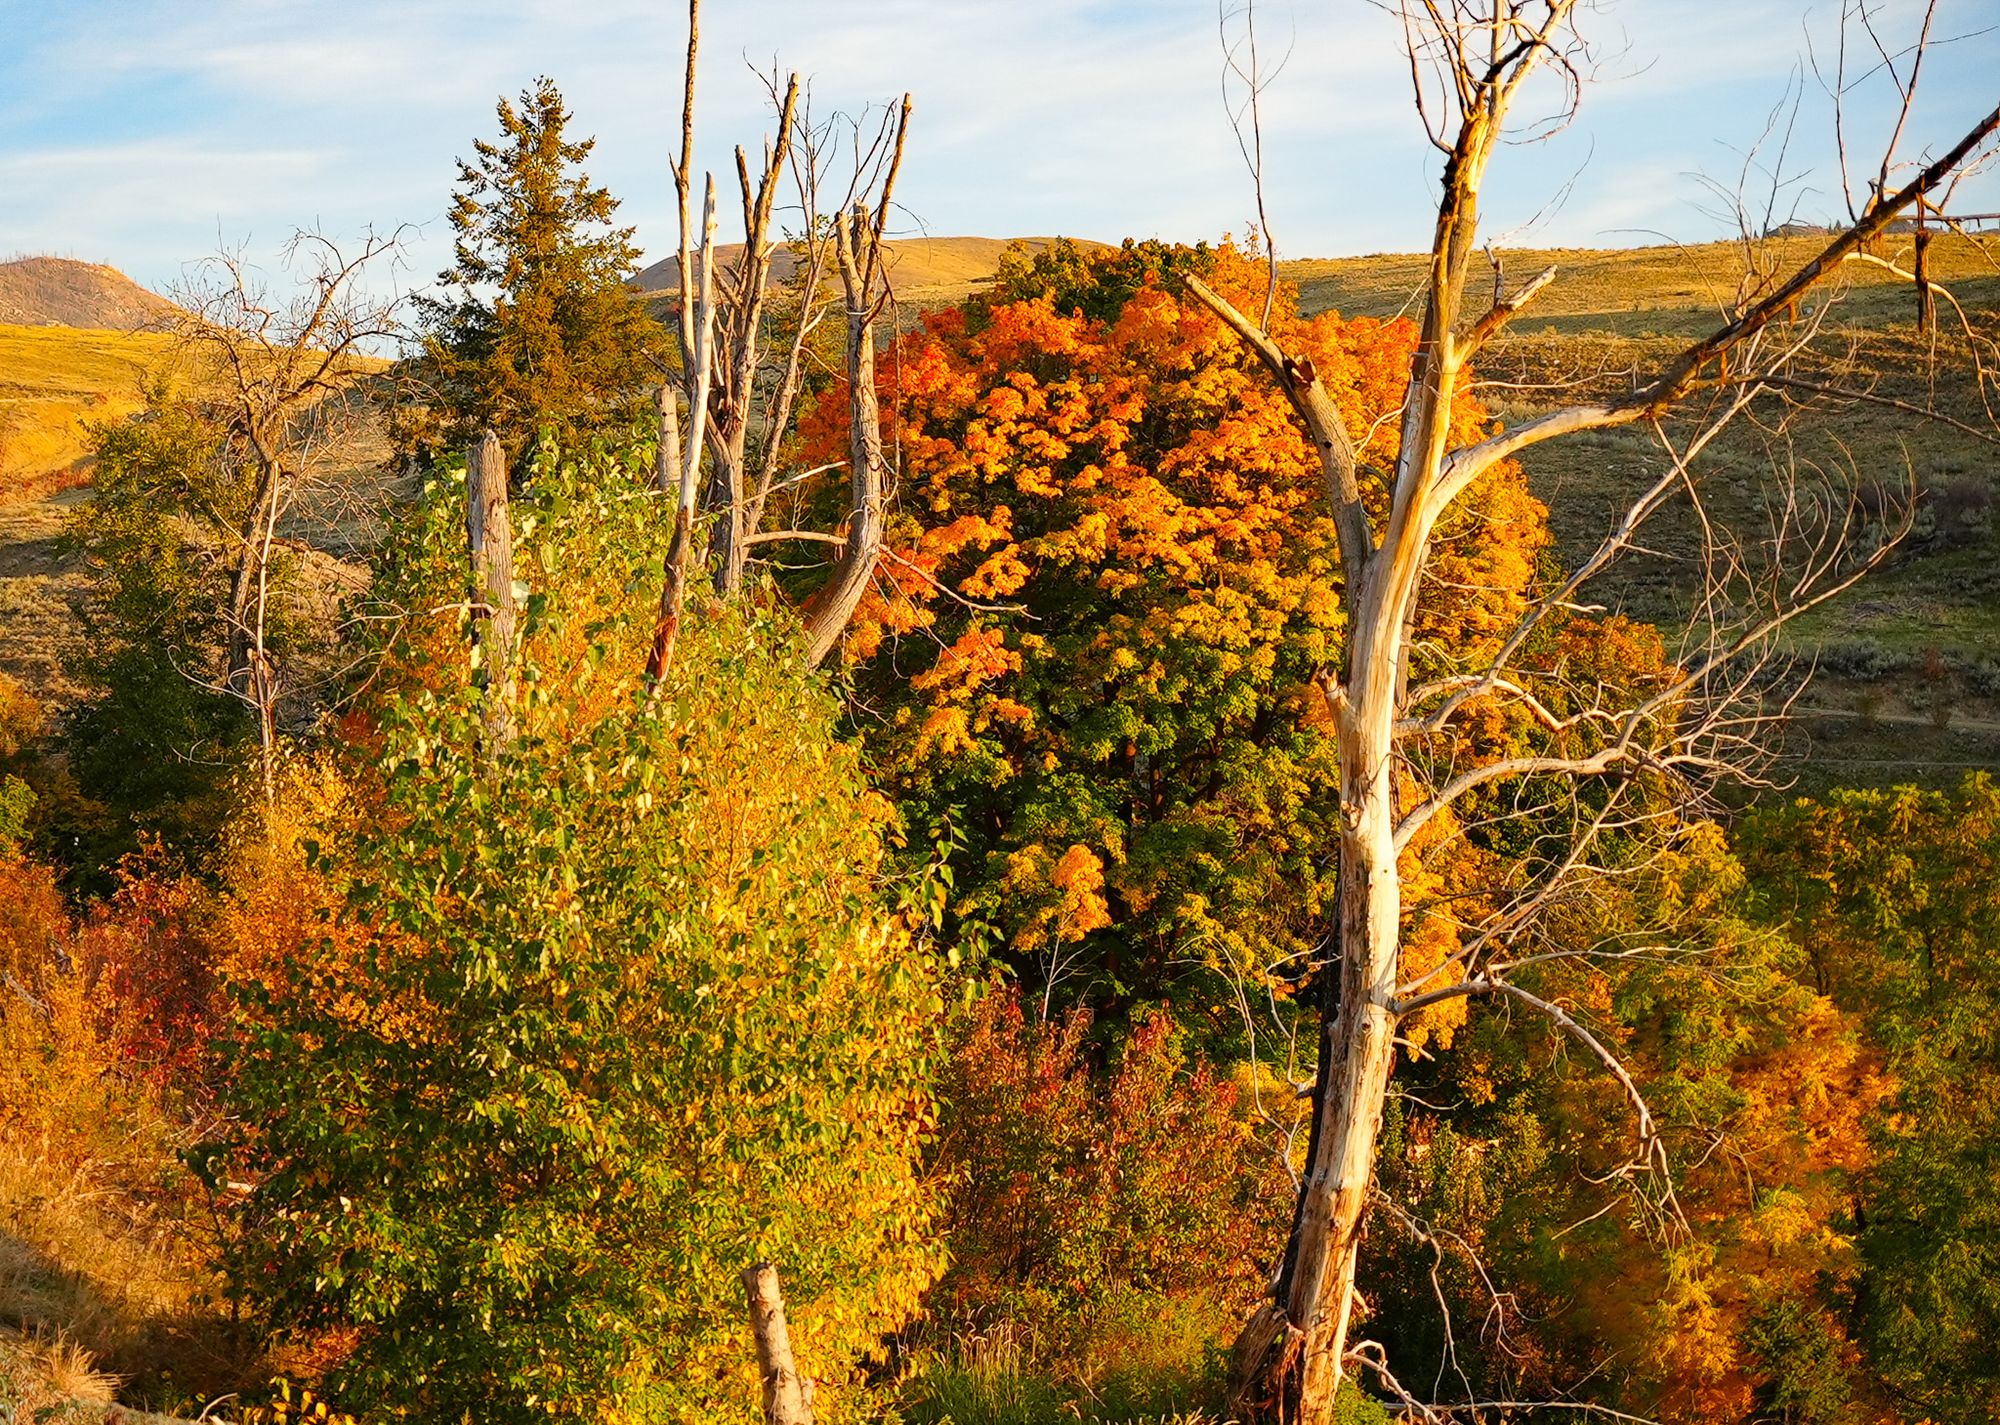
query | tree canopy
(1110,590)
(542,332)
(544,1043)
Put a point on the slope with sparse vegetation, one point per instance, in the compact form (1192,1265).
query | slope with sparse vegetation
(1908,682)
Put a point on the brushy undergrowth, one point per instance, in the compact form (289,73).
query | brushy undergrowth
(107,1243)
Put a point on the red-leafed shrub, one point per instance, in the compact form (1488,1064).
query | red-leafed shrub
(1073,1186)
(148,952)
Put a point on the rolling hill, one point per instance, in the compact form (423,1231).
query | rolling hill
(925,270)
(59,291)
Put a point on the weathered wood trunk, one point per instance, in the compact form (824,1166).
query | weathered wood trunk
(1289,1361)
(1921,267)
(667,459)
(671,476)
(490,546)
(829,610)
(687,465)
(242,644)
(787,1394)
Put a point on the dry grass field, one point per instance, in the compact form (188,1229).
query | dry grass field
(55,382)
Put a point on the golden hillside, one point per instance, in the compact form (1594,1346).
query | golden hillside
(60,291)
(923,269)
(56,381)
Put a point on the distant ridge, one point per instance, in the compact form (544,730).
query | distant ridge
(916,264)
(62,292)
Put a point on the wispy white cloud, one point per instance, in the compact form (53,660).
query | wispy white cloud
(133,128)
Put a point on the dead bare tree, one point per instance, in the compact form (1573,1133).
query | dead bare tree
(282,369)
(741,374)
(1701,719)
(489,538)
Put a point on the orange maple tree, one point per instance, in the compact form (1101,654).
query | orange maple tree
(1110,585)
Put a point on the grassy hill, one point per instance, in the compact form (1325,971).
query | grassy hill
(60,291)
(55,382)
(927,271)
(1909,663)
(1667,290)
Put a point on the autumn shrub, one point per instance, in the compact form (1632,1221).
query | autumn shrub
(1895,896)
(1520,1250)
(106,1240)
(1108,1224)
(20,725)
(591,1020)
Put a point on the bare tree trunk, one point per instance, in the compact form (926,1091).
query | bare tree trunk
(673,478)
(1921,267)
(249,675)
(1289,1362)
(724,501)
(667,461)
(743,355)
(830,609)
(673,590)
(243,582)
(490,544)
(858,249)
(787,1394)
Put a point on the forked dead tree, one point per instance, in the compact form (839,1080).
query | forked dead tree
(280,368)
(741,373)
(1401,768)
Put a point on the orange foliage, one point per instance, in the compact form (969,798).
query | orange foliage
(1110,582)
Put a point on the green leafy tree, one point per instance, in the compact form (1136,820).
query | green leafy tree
(589,1022)
(541,334)
(153,747)
(1896,897)
(1096,643)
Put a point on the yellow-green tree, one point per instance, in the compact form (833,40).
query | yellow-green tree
(590,1021)
(1895,896)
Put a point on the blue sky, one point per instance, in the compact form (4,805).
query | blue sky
(139,132)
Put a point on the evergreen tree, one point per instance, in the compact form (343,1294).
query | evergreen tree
(541,336)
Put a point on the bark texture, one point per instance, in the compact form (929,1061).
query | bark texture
(787,1394)
(490,545)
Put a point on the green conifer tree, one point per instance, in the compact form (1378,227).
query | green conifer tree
(540,333)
